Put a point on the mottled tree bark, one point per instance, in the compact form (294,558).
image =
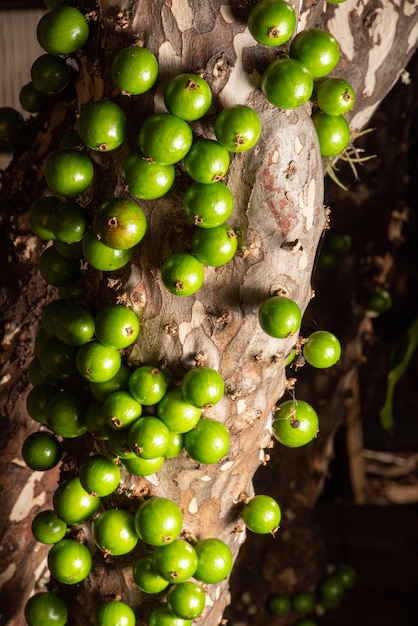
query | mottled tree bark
(279,214)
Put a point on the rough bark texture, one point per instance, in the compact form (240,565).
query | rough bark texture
(279,213)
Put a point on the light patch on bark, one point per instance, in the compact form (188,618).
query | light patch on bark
(303,261)
(409,8)
(154,480)
(182,13)
(239,86)
(8,573)
(198,315)
(241,406)
(361,119)
(227,14)
(171,62)
(193,506)
(413,37)
(298,146)
(339,26)
(382,33)
(27,500)
(42,571)
(308,207)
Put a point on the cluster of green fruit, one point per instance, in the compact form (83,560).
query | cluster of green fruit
(294,78)
(295,422)
(71,341)
(328,595)
(165,139)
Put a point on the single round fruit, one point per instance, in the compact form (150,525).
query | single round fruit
(120,223)
(50,74)
(65,414)
(57,359)
(214,560)
(148,384)
(208,206)
(165,138)
(41,338)
(142,467)
(261,514)
(237,128)
(74,325)
(340,243)
(347,575)
(331,590)
(327,260)
(73,504)
(379,301)
(48,528)
(41,451)
(46,609)
(322,349)
(177,414)
(188,96)
(55,269)
(146,577)
(158,521)
(11,123)
(38,376)
(31,99)
(114,532)
(303,602)
(208,442)
(68,172)
(62,31)
(175,445)
(148,437)
(103,125)
(335,96)
(120,409)
(95,422)
(69,561)
(97,363)
(295,423)
(279,604)
(99,475)
(207,161)
(215,246)
(280,317)
(70,251)
(176,561)
(69,221)
(39,215)
(162,616)
(186,600)
(114,613)
(37,399)
(147,179)
(71,140)
(286,83)
(272,22)
(202,386)
(317,49)
(102,257)
(134,70)
(182,274)
(119,381)
(333,133)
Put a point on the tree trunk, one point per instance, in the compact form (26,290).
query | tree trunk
(280,216)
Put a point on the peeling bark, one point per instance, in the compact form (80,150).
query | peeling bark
(279,214)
